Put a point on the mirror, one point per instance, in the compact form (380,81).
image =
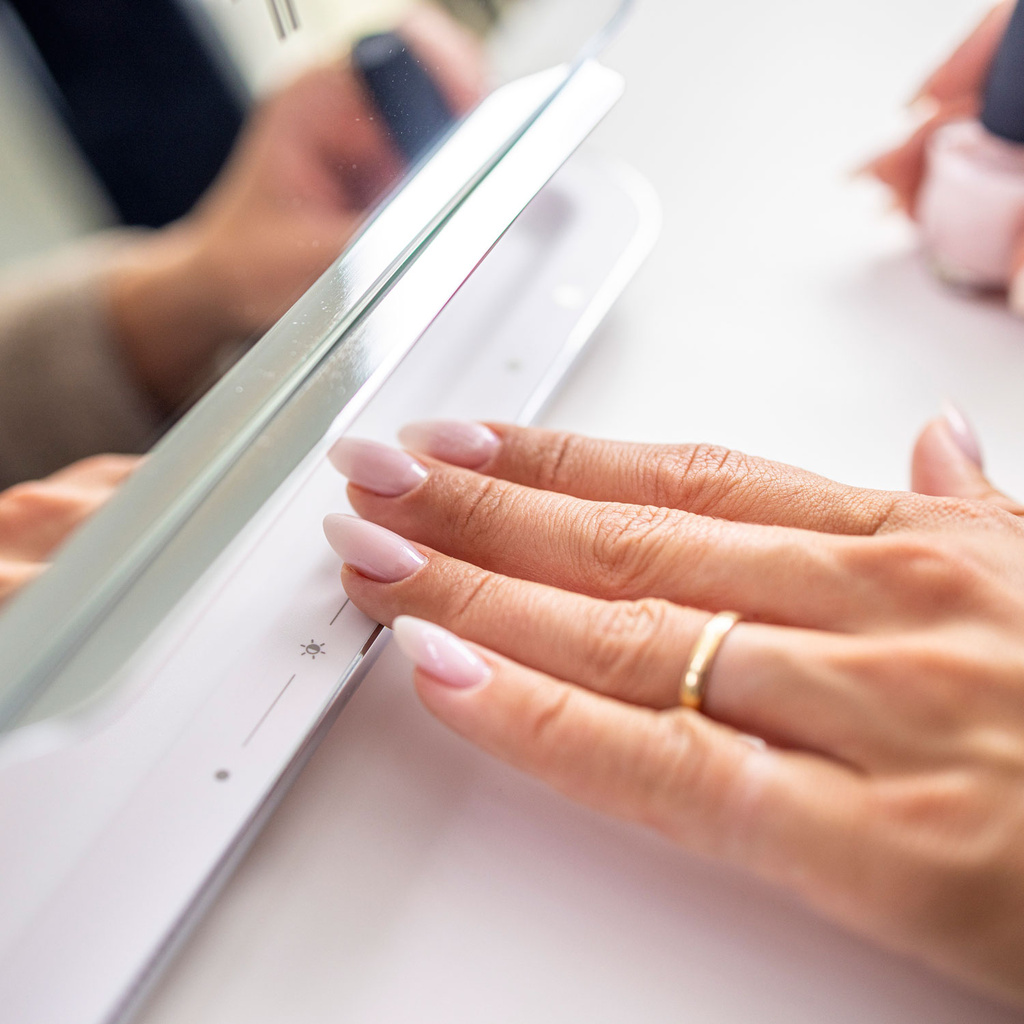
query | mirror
(331,145)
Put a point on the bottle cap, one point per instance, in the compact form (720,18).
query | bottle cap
(1003,110)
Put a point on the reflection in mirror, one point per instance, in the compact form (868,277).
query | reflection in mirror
(176,176)
(220,208)
(183,173)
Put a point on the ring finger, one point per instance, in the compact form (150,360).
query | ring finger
(774,682)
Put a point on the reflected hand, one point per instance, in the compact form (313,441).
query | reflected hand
(309,163)
(36,517)
(880,658)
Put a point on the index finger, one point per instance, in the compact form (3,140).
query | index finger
(704,479)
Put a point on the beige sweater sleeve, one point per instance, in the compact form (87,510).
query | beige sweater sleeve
(65,391)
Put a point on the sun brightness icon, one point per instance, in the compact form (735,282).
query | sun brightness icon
(312,649)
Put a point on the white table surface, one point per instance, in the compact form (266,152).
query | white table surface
(407,878)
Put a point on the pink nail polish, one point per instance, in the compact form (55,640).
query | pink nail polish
(971,202)
(961,432)
(386,471)
(462,444)
(439,653)
(375,552)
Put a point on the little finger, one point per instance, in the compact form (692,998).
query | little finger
(790,818)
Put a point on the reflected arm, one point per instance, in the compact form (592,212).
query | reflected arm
(65,390)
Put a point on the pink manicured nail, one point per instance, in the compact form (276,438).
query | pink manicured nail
(962,433)
(462,444)
(372,550)
(439,653)
(383,470)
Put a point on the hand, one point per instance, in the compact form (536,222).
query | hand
(952,92)
(307,167)
(880,660)
(36,517)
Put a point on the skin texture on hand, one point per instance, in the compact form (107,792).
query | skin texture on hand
(309,164)
(36,517)
(880,658)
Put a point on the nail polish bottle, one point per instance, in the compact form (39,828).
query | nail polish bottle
(971,203)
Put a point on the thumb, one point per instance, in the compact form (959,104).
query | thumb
(947,462)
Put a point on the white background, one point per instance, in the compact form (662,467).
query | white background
(409,879)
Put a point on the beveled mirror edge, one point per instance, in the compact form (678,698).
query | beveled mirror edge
(23,630)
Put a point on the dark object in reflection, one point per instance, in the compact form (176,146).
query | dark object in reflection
(404,93)
(153,110)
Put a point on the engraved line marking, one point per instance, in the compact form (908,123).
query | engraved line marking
(267,712)
(370,640)
(339,611)
(275,15)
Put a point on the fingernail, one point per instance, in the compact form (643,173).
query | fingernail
(439,653)
(962,432)
(385,471)
(375,552)
(462,444)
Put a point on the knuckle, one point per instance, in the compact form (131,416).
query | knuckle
(26,502)
(552,471)
(485,499)
(955,847)
(907,675)
(101,463)
(113,467)
(621,632)
(924,511)
(937,695)
(894,512)
(471,597)
(696,795)
(681,749)
(928,572)
(624,548)
(32,492)
(978,513)
(703,475)
(546,719)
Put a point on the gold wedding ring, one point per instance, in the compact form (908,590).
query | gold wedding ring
(695,678)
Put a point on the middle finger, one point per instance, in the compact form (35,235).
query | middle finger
(610,550)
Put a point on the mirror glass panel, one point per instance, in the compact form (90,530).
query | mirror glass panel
(177,175)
